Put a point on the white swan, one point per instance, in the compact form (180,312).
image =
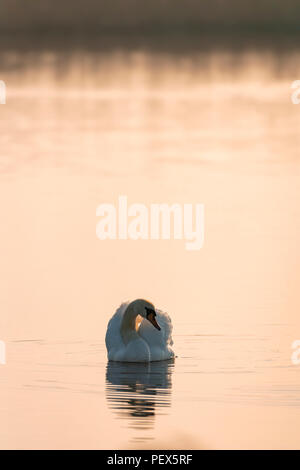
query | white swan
(133,334)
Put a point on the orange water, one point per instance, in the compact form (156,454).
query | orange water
(82,127)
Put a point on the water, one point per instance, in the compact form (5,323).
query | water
(85,124)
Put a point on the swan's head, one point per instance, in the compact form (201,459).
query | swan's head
(146,309)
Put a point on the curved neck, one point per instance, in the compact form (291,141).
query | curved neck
(128,324)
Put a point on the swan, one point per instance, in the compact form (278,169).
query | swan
(139,333)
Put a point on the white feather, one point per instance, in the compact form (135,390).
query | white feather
(146,344)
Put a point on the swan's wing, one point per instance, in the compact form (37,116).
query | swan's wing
(113,338)
(158,341)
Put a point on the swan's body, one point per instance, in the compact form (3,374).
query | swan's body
(128,340)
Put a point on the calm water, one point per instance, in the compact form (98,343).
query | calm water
(216,126)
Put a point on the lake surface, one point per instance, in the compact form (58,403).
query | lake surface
(84,124)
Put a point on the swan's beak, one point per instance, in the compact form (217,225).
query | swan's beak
(151,318)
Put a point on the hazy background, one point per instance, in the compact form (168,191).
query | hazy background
(98,14)
(205,118)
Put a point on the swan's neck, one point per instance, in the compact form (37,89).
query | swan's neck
(128,326)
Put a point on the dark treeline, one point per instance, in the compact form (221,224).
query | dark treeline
(147,14)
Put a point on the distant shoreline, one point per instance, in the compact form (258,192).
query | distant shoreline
(177,40)
(190,28)
(154,15)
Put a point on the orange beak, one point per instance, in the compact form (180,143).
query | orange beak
(152,320)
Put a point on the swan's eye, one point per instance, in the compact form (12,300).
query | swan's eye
(151,317)
(150,311)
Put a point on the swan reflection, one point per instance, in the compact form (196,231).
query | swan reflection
(138,391)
